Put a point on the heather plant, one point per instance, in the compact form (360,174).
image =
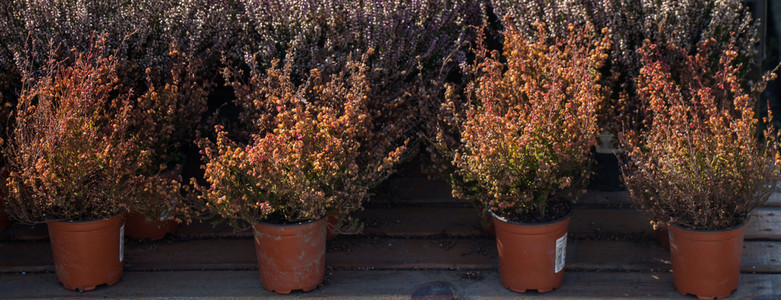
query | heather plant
(140,31)
(303,160)
(70,153)
(527,123)
(697,161)
(411,40)
(166,51)
(686,23)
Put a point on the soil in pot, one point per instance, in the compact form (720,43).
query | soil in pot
(706,263)
(291,257)
(88,253)
(531,255)
(137,226)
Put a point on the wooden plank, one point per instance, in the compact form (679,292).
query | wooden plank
(761,256)
(414,190)
(383,253)
(19,232)
(601,198)
(608,223)
(765,223)
(378,284)
(33,256)
(219,254)
(616,256)
(412,253)
(206,229)
(421,221)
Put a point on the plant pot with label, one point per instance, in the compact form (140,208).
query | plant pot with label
(701,162)
(285,183)
(525,147)
(291,256)
(88,253)
(531,255)
(73,164)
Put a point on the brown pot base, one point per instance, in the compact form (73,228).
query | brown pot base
(291,257)
(531,256)
(540,290)
(706,263)
(87,254)
(109,282)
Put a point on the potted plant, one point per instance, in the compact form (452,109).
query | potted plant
(73,163)
(526,134)
(300,163)
(701,161)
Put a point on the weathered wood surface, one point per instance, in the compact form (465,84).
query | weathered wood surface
(383,253)
(378,284)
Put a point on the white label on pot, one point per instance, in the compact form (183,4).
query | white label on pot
(122,243)
(561,253)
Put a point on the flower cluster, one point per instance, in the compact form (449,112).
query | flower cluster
(302,161)
(696,161)
(412,41)
(70,154)
(686,23)
(141,31)
(170,110)
(529,122)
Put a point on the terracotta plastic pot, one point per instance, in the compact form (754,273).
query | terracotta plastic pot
(88,253)
(531,256)
(706,263)
(291,257)
(137,226)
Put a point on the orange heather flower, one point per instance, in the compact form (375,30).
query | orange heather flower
(696,161)
(527,124)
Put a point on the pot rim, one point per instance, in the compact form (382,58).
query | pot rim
(678,226)
(502,219)
(84,221)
